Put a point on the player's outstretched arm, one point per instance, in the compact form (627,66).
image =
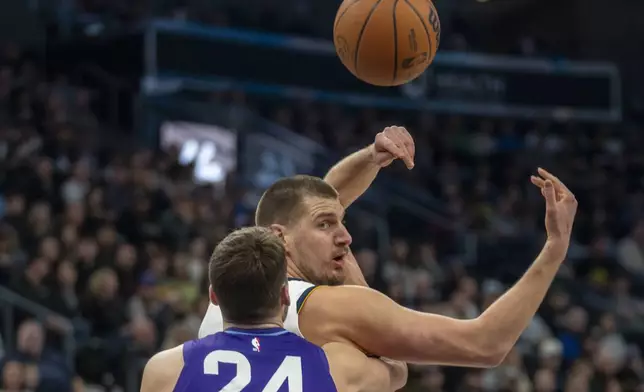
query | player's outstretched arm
(380,326)
(162,371)
(352,371)
(353,175)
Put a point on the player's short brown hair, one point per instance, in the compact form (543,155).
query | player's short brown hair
(282,201)
(247,271)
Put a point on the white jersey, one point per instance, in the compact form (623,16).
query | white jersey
(298,290)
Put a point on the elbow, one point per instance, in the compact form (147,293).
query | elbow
(401,378)
(398,373)
(492,358)
(493,352)
(491,348)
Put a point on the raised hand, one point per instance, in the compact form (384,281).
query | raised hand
(561,205)
(394,143)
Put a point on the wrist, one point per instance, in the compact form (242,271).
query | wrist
(557,248)
(370,153)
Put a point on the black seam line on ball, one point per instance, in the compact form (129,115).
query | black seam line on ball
(393,15)
(422,21)
(344,12)
(364,26)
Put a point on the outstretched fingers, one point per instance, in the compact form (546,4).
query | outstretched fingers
(548,192)
(556,181)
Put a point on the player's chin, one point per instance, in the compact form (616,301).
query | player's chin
(337,277)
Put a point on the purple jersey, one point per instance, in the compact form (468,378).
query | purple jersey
(254,360)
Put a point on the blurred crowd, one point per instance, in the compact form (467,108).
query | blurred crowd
(115,241)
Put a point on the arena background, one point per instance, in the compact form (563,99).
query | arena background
(135,134)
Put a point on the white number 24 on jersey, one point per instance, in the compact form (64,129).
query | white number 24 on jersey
(289,371)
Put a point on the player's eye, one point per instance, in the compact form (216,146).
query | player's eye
(324,225)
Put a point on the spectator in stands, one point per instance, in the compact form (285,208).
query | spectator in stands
(574,328)
(44,369)
(101,306)
(126,265)
(630,250)
(11,256)
(509,376)
(13,377)
(64,298)
(545,381)
(31,283)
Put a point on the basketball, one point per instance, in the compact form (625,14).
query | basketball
(386,42)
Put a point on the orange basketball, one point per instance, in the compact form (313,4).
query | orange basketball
(386,42)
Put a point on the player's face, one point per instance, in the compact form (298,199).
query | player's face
(319,242)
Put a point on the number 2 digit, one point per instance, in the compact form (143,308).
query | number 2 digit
(242,377)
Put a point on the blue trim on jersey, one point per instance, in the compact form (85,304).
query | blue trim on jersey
(303,297)
(297,280)
(256,332)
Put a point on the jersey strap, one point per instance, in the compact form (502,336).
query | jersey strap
(304,296)
(298,290)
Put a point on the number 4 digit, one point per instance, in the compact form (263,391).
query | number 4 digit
(291,370)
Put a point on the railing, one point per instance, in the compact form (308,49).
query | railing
(9,301)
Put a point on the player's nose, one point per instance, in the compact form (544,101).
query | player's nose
(343,238)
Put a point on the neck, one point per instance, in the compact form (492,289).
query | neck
(292,271)
(277,323)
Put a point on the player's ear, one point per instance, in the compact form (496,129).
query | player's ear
(285,296)
(211,295)
(278,230)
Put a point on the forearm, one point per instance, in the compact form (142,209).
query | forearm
(353,175)
(354,275)
(501,325)
(356,280)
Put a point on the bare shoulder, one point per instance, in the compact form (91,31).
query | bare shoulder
(330,310)
(327,298)
(162,370)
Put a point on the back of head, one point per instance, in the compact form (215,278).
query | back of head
(282,202)
(247,273)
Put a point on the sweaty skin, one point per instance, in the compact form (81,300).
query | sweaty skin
(351,370)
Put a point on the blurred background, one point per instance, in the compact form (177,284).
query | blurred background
(135,134)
